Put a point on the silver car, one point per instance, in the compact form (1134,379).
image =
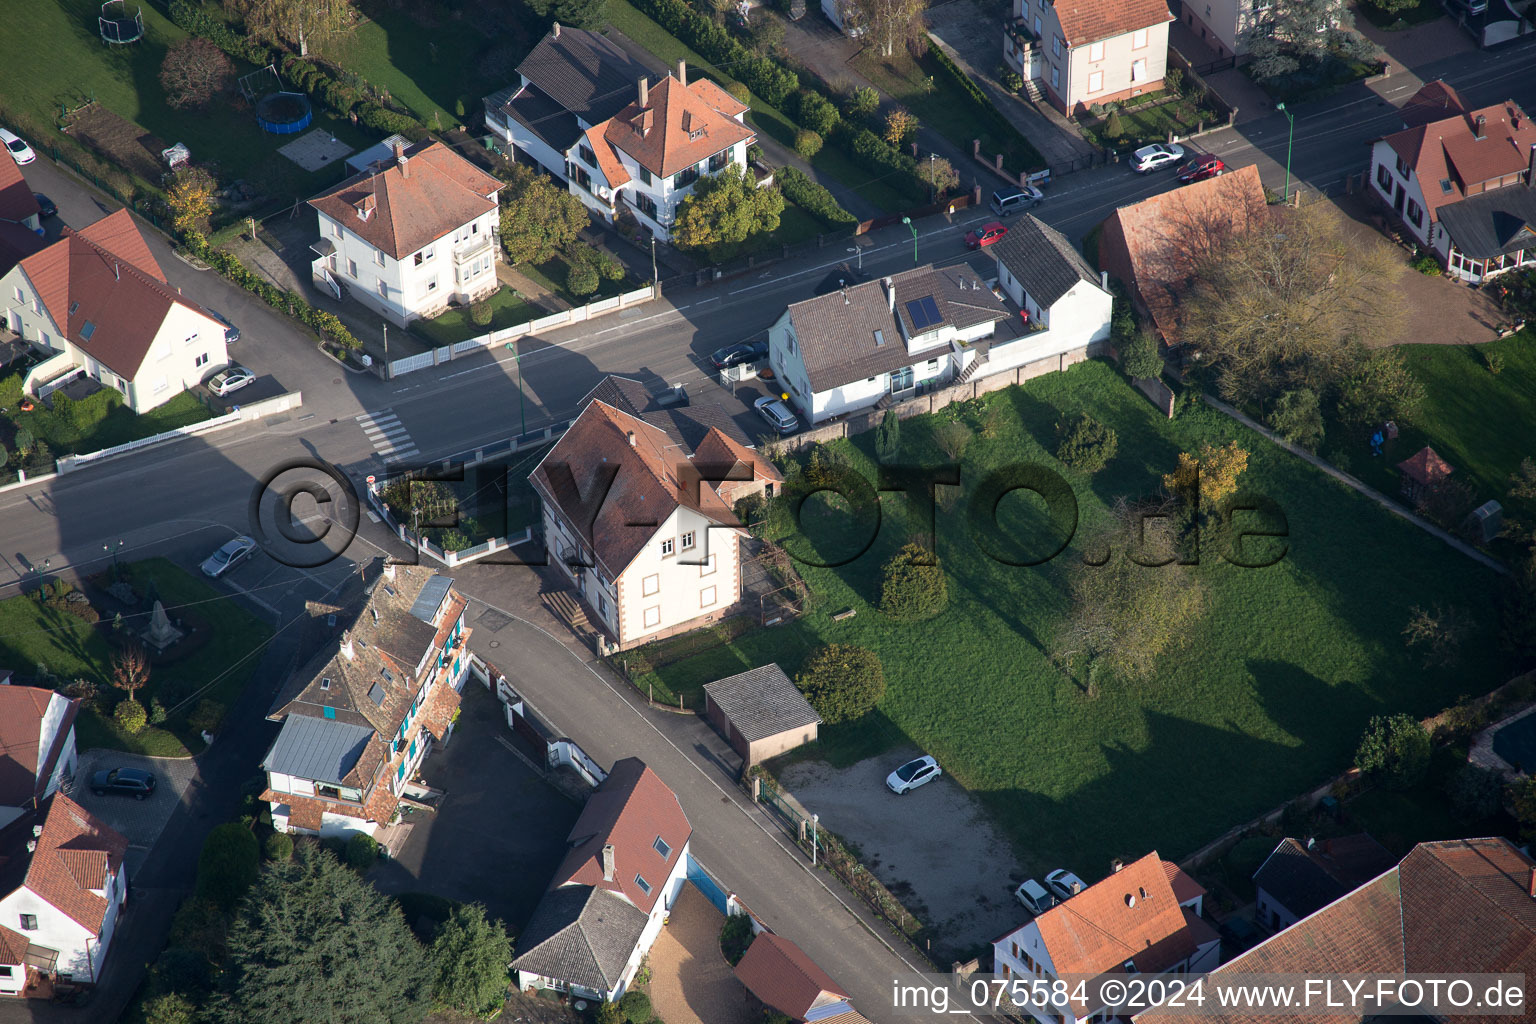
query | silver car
(1159,154)
(230,379)
(1064,884)
(227,557)
(777,414)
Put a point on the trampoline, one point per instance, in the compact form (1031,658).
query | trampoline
(116,26)
(284,113)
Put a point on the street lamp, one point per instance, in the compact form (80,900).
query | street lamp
(655,278)
(908,222)
(113,549)
(1285,197)
(860,250)
(815,820)
(522,399)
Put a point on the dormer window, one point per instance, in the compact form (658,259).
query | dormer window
(364,207)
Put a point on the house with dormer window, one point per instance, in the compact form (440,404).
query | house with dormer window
(359,718)
(1075,54)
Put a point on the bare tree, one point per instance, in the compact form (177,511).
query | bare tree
(130,669)
(892,21)
(300,23)
(194,72)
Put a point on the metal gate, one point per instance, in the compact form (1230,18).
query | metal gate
(706,884)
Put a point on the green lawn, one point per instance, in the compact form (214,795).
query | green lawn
(1268,699)
(552,276)
(1418,13)
(1153,124)
(508,309)
(1402,820)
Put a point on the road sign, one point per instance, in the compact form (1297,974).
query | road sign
(370,479)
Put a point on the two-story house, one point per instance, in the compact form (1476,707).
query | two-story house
(1463,185)
(1079,54)
(64,887)
(1299,878)
(37,747)
(1227,26)
(626,864)
(1142,919)
(96,300)
(637,512)
(410,237)
(1064,305)
(361,715)
(881,341)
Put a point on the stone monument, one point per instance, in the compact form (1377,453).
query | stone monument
(161,634)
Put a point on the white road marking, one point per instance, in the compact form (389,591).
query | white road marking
(387,435)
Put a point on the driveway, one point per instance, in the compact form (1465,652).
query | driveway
(497,835)
(690,981)
(141,821)
(934,847)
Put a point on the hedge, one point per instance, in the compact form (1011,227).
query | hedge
(229,265)
(979,100)
(811,197)
(874,152)
(345,101)
(195,20)
(764,77)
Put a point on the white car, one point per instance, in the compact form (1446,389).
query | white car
(913,774)
(1159,154)
(227,557)
(20,151)
(1034,897)
(231,378)
(1064,884)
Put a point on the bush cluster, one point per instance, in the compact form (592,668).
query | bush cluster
(325,323)
(763,76)
(191,16)
(346,101)
(1085,444)
(811,197)
(913,586)
(877,155)
(842,682)
(807,143)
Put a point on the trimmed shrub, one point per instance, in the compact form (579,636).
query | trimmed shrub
(816,113)
(362,852)
(811,197)
(227,865)
(581,279)
(1394,750)
(1085,444)
(169,1008)
(735,936)
(842,682)
(913,585)
(130,716)
(740,91)
(807,143)
(480,313)
(636,1007)
(862,104)
(279,847)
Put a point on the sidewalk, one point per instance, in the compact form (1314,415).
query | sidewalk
(1235,88)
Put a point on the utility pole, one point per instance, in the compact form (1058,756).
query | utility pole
(908,222)
(815,820)
(1286,195)
(386,349)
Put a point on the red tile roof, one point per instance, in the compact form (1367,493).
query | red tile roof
(679,126)
(1448,150)
(780,974)
(24,766)
(607,160)
(13,947)
(1131,915)
(1184,887)
(1088,21)
(436,192)
(1433,102)
(630,811)
(1425,466)
(16,202)
(75,853)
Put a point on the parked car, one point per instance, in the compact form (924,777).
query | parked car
(133,782)
(777,414)
(1064,884)
(1159,154)
(1034,897)
(735,355)
(231,554)
(913,774)
(231,332)
(231,378)
(987,234)
(20,151)
(1202,167)
(45,205)
(1011,201)
(675,397)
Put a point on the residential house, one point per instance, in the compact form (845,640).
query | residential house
(870,344)
(1461,906)
(845,15)
(17,203)
(37,747)
(1154,247)
(638,513)
(1079,54)
(760,712)
(359,718)
(1226,26)
(64,886)
(785,980)
(410,237)
(1064,304)
(626,865)
(99,303)
(1144,918)
(1298,879)
(1463,185)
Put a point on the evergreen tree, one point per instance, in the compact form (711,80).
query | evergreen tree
(888,437)
(470,956)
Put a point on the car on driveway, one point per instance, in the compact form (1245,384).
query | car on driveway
(231,332)
(735,355)
(1202,167)
(132,782)
(1159,154)
(1034,897)
(913,774)
(18,148)
(45,205)
(231,378)
(777,414)
(231,554)
(1064,884)
(987,234)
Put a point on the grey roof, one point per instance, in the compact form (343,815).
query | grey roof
(762,702)
(835,333)
(581,934)
(685,425)
(1042,259)
(1305,880)
(431,597)
(584,73)
(1493,223)
(316,748)
(540,114)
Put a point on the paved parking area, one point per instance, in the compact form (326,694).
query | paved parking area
(140,820)
(690,981)
(934,848)
(267,582)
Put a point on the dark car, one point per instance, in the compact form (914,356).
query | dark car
(1201,168)
(735,355)
(45,205)
(124,782)
(231,332)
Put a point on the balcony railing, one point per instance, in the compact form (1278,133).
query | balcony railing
(471,247)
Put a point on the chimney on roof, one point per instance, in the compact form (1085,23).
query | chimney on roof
(1104,279)
(31,846)
(346,646)
(37,830)
(401,161)
(645,92)
(1115,865)
(682,72)
(389,570)
(554,31)
(1479,129)
(1532,887)
(629,436)
(607,862)
(890,294)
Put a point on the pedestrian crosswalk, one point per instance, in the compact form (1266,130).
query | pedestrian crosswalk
(388,435)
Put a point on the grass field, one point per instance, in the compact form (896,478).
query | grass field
(508,309)
(1267,699)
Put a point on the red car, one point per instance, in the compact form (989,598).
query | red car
(985,235)
(1200,168)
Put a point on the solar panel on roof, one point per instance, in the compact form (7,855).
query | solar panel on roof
(924,313)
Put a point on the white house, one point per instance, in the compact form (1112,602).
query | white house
(1226,26)
(37,747)
(1066,306)
(412,236)
(637,515)
(882,341)
(627,863)
(1144,918)
(97,300)
(1462,184)
(64,887)
(362,715)
(1079,54)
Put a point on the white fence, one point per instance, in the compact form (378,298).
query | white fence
(446,353)
(240,414)
(563,751)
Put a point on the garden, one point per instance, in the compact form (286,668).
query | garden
(1282,667)
(1145,119)
(504,308)
(493,499)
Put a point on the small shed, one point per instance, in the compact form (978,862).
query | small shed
(1423,471)
(761,712)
